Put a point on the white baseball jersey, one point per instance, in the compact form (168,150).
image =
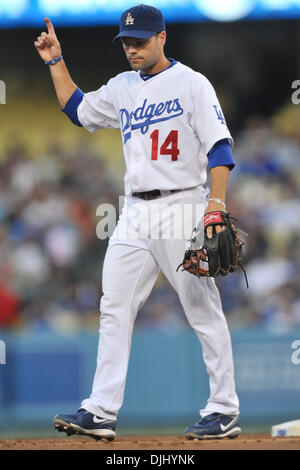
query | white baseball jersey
(168,123)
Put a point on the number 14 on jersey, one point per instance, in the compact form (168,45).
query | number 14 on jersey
(168,147)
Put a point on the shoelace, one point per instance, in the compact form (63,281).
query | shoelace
(209,418)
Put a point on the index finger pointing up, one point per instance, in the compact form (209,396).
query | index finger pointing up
(50,28)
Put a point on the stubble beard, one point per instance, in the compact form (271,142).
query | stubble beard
(143,66)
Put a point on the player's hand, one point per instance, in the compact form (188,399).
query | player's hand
(214,207)
(47,45)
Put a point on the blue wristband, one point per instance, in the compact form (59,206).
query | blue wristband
(53,61)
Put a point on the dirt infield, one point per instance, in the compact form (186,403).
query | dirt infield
(243,442)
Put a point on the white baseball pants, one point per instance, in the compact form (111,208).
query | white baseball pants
(136,253)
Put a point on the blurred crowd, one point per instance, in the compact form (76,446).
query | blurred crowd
(51,258)
(264,195)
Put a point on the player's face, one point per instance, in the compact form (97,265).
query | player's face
(144,54)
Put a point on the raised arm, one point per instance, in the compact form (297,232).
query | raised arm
(49,48)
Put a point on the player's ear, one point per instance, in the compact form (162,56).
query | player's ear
(162,36)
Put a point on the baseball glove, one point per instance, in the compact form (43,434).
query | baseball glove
(221,254)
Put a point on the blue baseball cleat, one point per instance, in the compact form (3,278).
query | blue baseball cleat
(86,424)
(214,426)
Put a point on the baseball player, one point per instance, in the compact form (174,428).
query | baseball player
(172,128)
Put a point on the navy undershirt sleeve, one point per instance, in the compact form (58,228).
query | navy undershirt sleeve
(70,108)
(221,155)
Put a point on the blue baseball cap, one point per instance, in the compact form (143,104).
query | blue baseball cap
(142,22)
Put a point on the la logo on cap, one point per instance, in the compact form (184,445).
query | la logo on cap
(129,19)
